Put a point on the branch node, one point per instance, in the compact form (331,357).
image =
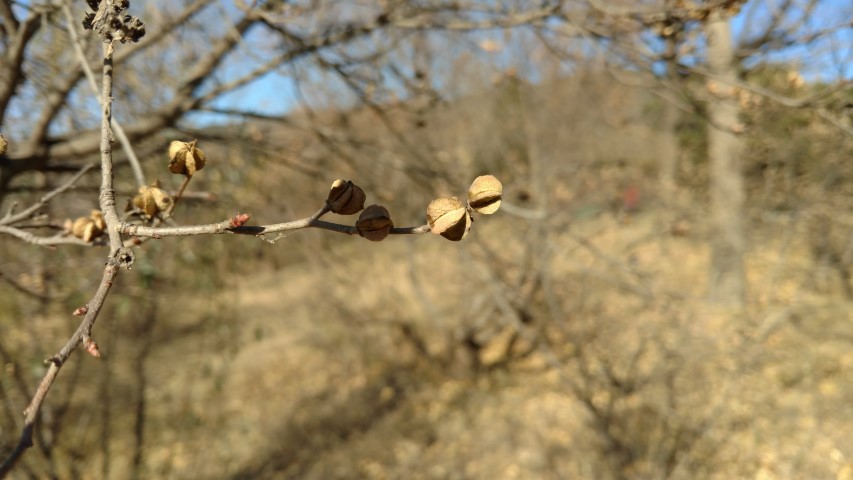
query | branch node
(56,360)
(122,257)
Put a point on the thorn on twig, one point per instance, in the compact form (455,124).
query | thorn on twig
(91,347)
(80,311)
(239,220)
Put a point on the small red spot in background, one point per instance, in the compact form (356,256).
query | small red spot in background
(631,199)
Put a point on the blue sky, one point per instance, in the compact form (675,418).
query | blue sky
(829,58)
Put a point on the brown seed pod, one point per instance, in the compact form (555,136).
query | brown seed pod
(185,158)
(80,227)
(152,200)
(374,223)
(484,194)
(3,145)
(449,218)
(161,199)
(89,228)
(98,220)
(345,198)
(144,200)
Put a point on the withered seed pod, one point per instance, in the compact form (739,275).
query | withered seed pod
(152,199)
(98,220)
(345,198)
(374,223)
(484,194)
(161,199)
(89,228)
(80,226)
(185,158)
(144,200)
(447,217)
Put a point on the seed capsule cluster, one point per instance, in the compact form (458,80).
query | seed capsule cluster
(451,219)
(446,216)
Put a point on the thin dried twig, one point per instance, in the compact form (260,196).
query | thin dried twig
(11,218)
(119,131)
(119,256)
(56,362)
(28,237)
(232,226)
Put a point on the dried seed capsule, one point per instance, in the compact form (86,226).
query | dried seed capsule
(152,200)
(374,223)
(144,200)
(98,220)
(89,228)
(485,194)
(82,228)
(161,199)
(185,158)
(345,198)
(447,217)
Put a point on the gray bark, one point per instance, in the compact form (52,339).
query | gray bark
(727,284)
(669,148)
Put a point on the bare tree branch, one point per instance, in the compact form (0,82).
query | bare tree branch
(11,218)
(228,227)
(56,97)
(11,74)
(122,136)
(118,257)
(56,362)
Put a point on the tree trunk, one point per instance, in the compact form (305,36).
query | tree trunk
(670,152)
(727,283)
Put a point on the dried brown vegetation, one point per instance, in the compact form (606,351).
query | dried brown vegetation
(568,336)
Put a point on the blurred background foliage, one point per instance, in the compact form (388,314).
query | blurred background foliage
(568,336)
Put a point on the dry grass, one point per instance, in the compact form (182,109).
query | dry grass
(301,372)
(578,348)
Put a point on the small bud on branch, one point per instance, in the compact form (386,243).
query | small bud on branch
(239,220)
(91,347)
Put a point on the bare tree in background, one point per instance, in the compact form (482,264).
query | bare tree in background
(46,108)
(675,43)
(371,94)
(728,243)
